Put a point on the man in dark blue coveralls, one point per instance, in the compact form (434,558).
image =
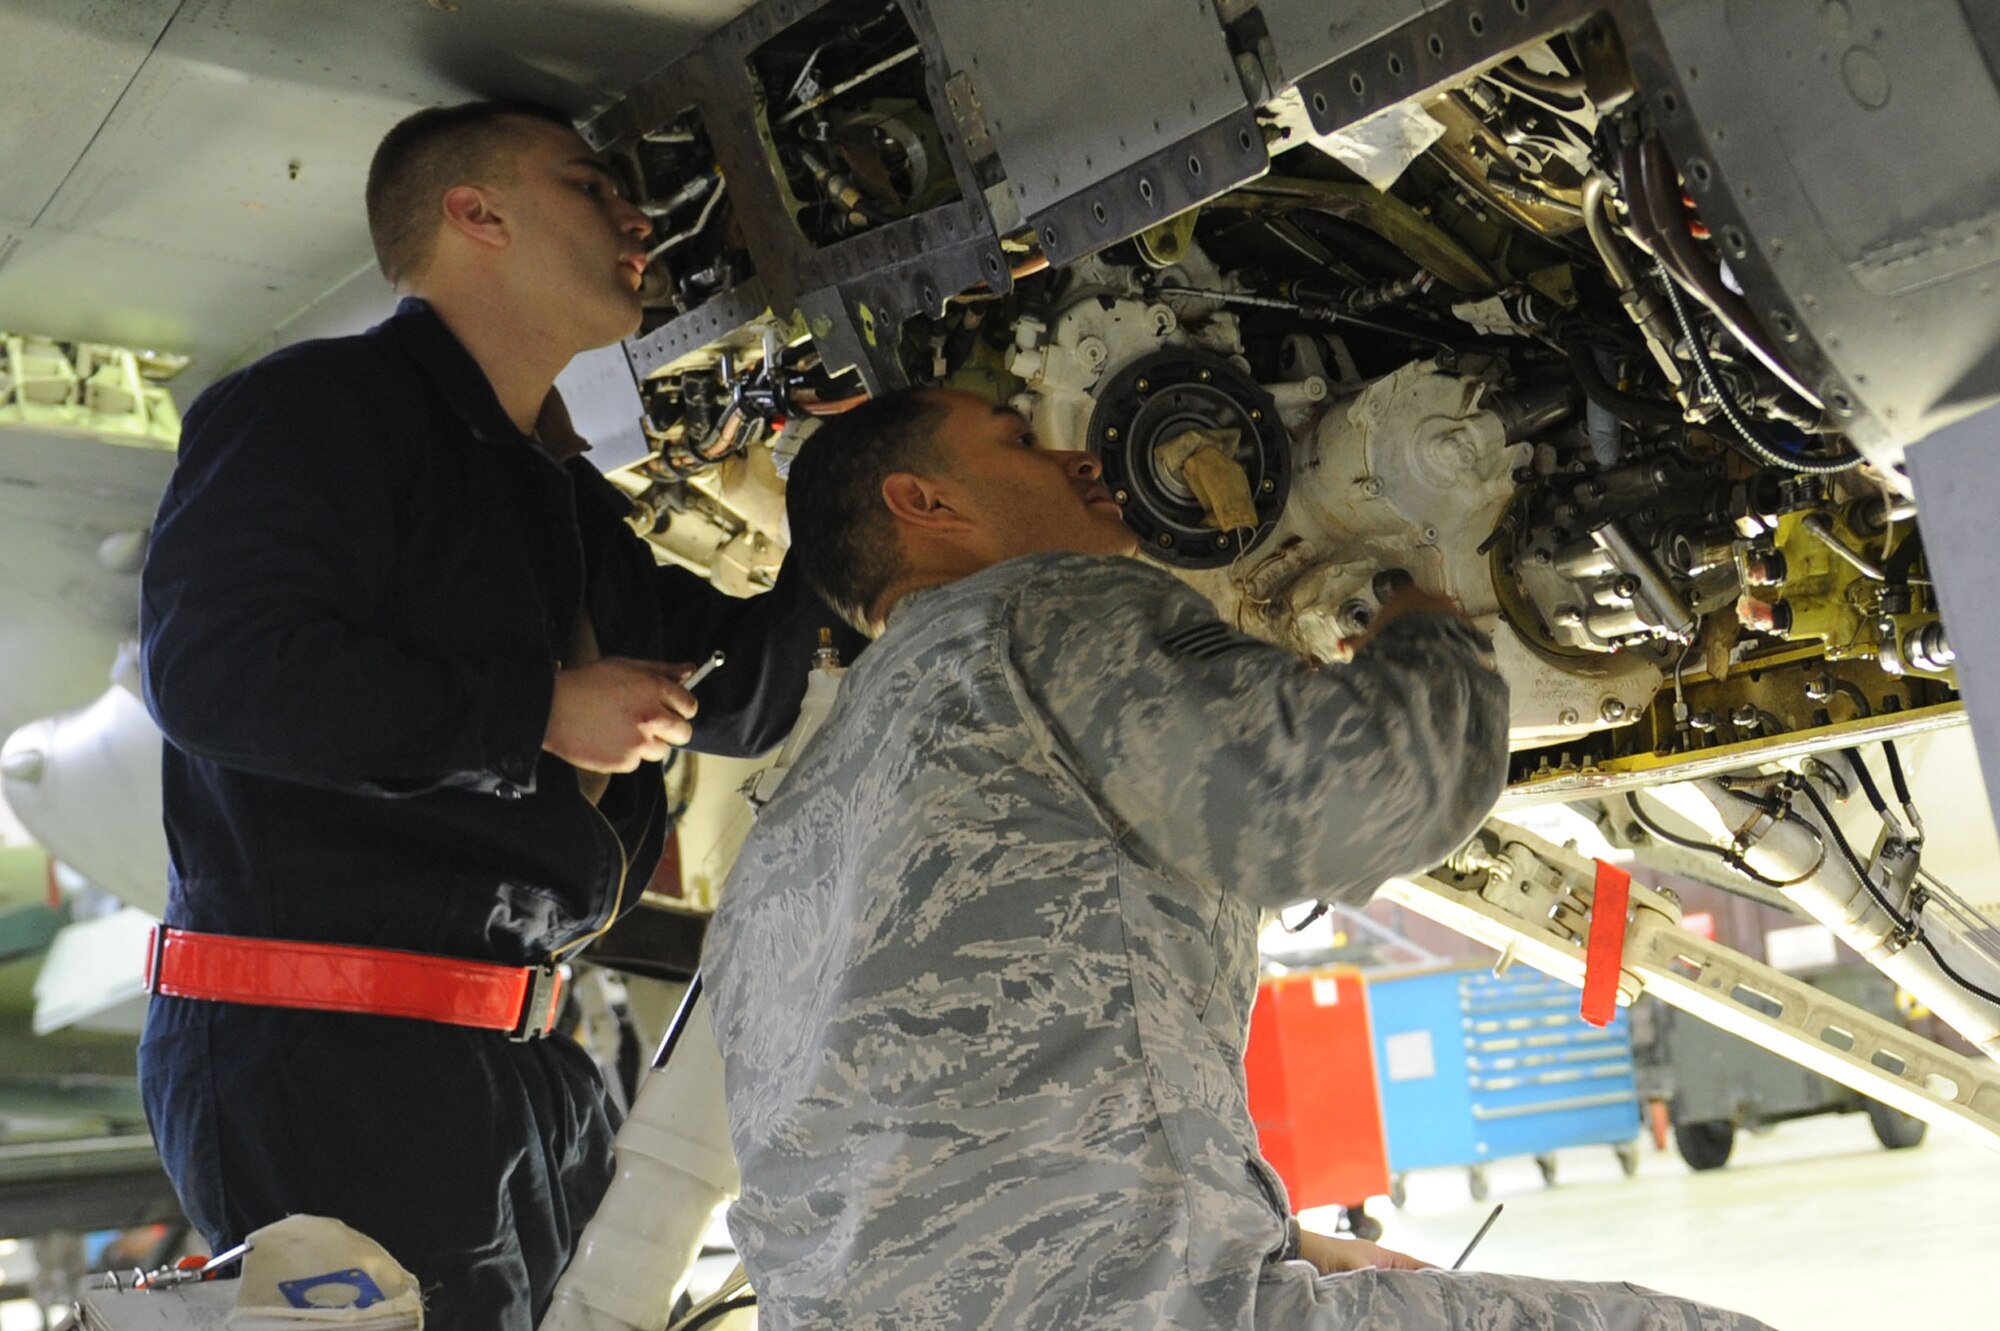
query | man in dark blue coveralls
(411,668)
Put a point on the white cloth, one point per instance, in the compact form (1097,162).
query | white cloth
(310,1271)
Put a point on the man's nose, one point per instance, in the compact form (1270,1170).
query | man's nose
(632,221)
(1083,466)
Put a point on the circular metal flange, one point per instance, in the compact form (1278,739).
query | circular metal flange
(1158,397)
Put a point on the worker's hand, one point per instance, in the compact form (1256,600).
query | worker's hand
(613,714)
(1330,1256)
(1407,600)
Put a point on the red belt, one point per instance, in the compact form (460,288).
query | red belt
(329,977)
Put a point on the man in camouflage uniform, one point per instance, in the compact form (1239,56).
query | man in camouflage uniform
(983,976)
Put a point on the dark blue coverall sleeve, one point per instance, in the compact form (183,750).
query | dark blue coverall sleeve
(263,584)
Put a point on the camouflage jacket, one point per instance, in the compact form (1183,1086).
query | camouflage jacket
(982,977)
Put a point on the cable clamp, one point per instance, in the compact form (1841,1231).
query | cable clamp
(1746,837)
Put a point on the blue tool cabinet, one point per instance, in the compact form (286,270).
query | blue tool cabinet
(1475,1066)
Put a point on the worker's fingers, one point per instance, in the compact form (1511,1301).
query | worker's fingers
(1330,1256)
(659,733)
(679,699)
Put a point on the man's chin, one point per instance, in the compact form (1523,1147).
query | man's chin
(1106,534)
(1115,538)
(617,324)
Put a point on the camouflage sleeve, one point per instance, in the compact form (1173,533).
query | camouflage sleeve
(1241,766)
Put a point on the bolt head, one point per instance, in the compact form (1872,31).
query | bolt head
(1166,539)
(1267,486)
(1222,542)
(1144,386)
(1110,432)
(1568,716)
(1122,496)
(1613,710)
(1256,413)
(1206,375)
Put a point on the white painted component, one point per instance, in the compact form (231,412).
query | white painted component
(1834,893)
(822,687)
(1411,472)
(675,1167)
(86,785)
(1531,899)
(1106,325)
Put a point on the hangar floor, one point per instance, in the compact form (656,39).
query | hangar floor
(1812,1227)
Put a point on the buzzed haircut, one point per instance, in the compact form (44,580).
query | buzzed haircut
(427,154)
(842,534)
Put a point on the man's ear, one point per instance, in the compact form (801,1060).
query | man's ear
(468,210)
(921,502)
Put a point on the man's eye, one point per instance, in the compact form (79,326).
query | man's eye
(1027,439)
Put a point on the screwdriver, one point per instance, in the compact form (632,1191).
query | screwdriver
(1480,1235)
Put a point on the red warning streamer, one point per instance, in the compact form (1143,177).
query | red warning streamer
(1606,952)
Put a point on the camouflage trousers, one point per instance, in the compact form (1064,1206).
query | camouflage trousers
(1375,1300)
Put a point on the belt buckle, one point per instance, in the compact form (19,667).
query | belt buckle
(538,1014)
(156,956)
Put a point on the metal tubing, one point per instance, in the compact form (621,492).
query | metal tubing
(1802,846)
(1661,200)
(1817,525)
(1596,195)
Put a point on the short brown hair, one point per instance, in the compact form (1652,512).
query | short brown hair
(842,534)
(427,154)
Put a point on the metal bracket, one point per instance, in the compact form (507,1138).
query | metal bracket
(1502,894)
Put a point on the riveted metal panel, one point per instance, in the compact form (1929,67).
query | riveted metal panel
(1207,163)
(1440,46)
(1306,34)
(857,292)
(1072,93)
(710,322)
(1830,148)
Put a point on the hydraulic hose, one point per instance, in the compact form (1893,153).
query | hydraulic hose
(1626,406)
(1756,446)
(1659,198)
